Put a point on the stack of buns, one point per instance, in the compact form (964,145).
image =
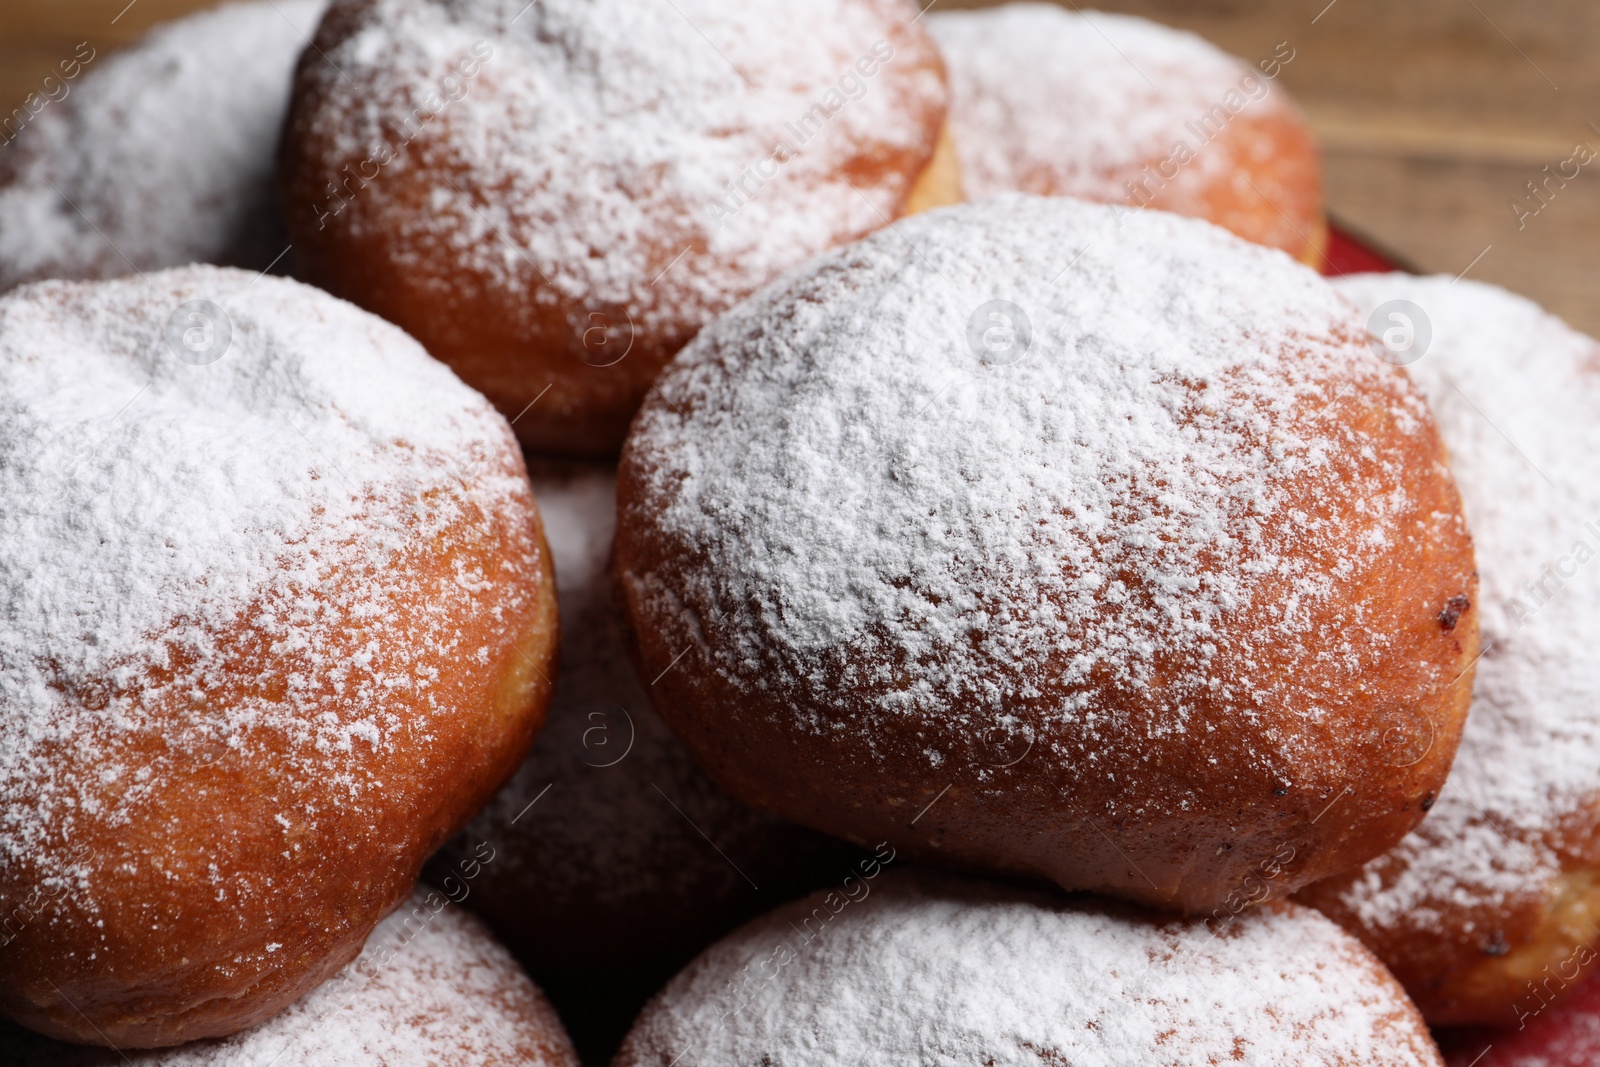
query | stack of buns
(968,506)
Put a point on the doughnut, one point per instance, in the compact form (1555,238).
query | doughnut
(988,974)
(609,859)
(555,197)
(431,986)
(1047,541)
(1118,109)
(1487,912)
(276,618)
(155,157)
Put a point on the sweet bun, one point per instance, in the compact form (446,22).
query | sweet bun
(610,859)
(555,197)
(276,616)
(430,987)
(158,156)
(1046,541)
(983,974)
(1122,110)
(1488,911)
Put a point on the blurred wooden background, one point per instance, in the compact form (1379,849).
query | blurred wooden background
(1434,114)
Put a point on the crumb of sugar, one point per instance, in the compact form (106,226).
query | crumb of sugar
(162,153)
(1515,392)
(1071,102)
(430,987)
(979,973)
(590,150)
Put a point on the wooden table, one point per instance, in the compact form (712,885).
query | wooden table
(1434,114)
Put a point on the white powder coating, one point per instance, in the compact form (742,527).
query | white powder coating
(606,841)
(873,517)
(939,972)
(1074,103)
(1515,392)
(600,141)
(431,987)
(153,506)
(162,154)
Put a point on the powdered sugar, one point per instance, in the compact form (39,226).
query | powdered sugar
(597,840)
(154,505)
(430,987)
(1515,392)
(600,142)
(607,832)
(1074,103)
(905,512)
(936,971)
(162,154)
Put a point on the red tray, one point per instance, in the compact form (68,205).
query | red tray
(1350,252)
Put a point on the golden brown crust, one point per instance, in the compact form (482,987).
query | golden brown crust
(998,810)
(939,184)
(1274,756)
(586,358)
(146,950)
(1503,959)
(1269,190)
(430,986)
(1116,109)
(1489,911)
